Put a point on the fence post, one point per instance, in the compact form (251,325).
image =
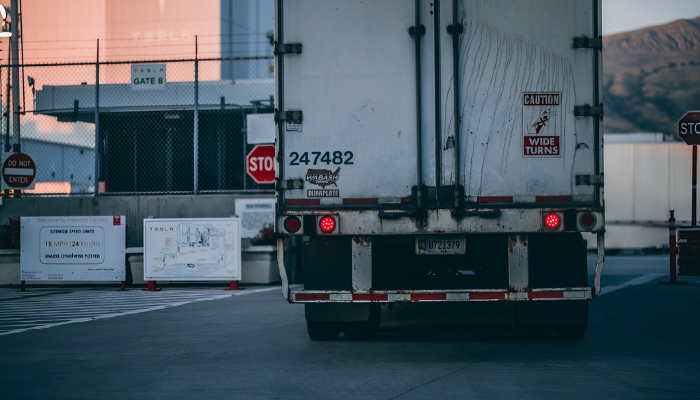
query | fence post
(16,145)
(196,118)
(97,121)
(245,149)
(8,110)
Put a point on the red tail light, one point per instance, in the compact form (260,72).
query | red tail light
(327,224)
(587,220)
(292,224)
(552,221)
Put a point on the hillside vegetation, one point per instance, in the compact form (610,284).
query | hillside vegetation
(651,77)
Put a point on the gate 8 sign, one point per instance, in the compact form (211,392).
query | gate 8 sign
(689,127)
(261,163)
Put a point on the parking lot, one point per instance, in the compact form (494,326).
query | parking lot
(642,343)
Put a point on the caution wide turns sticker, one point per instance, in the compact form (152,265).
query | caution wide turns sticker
(542,125)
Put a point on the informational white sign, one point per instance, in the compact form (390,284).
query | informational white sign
(254,215)
(191,249)
(148,77)
(73,248)
(261,128)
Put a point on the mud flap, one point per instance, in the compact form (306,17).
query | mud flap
(283,270)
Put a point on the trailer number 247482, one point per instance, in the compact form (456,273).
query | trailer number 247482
(317,157)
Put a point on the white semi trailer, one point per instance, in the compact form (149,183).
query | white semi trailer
(439,151)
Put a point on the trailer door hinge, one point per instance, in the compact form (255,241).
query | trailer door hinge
(292,116)
(588,43)
(420,30)
(455,29)
(287,48)
(589,179)
(289,184)
(589,111)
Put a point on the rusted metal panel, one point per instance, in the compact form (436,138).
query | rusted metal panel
(361,264)
(518,271)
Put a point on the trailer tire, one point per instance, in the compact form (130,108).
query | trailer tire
(364,330)
(568,319)
(322,331)
(572,332)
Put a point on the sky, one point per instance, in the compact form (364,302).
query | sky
(625,15)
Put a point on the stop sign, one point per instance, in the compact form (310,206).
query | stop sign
(18,171)
(689,127)
(261,163)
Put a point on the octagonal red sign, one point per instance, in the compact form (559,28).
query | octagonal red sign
(260,163)
(689,127)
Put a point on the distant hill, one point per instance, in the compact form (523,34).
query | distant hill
(651,76)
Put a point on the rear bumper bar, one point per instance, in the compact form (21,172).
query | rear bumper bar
(393,296)
(521,292)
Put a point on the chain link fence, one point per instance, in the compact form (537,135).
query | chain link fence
(142,127)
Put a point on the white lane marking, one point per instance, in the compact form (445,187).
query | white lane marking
(266,289)
(636,281)
(142,310)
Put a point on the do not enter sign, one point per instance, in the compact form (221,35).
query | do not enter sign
(689,127)
(261,163)
(18,171)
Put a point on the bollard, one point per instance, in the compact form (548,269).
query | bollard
(672,246)
(151,286)
(233,286)
(123,287)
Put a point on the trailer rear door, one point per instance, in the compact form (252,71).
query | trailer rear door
(355,85)
(521,78)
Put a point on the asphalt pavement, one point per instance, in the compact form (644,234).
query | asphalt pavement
(642,343)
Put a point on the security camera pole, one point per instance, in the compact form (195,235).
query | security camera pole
(15,76)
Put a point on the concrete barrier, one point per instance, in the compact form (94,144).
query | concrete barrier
(136,209)
(9,267)
(259,265)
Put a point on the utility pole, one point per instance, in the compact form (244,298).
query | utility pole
(14,27)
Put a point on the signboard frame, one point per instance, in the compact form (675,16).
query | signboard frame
(260,128)
(150,272)
(145,77)
(61,249)
(241,205)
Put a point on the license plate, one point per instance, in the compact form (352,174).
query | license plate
(441,245)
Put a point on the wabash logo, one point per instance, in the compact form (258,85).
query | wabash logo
(322,177)
(116,220)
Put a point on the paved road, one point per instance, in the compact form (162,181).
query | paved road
(20,312)
(642,344)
